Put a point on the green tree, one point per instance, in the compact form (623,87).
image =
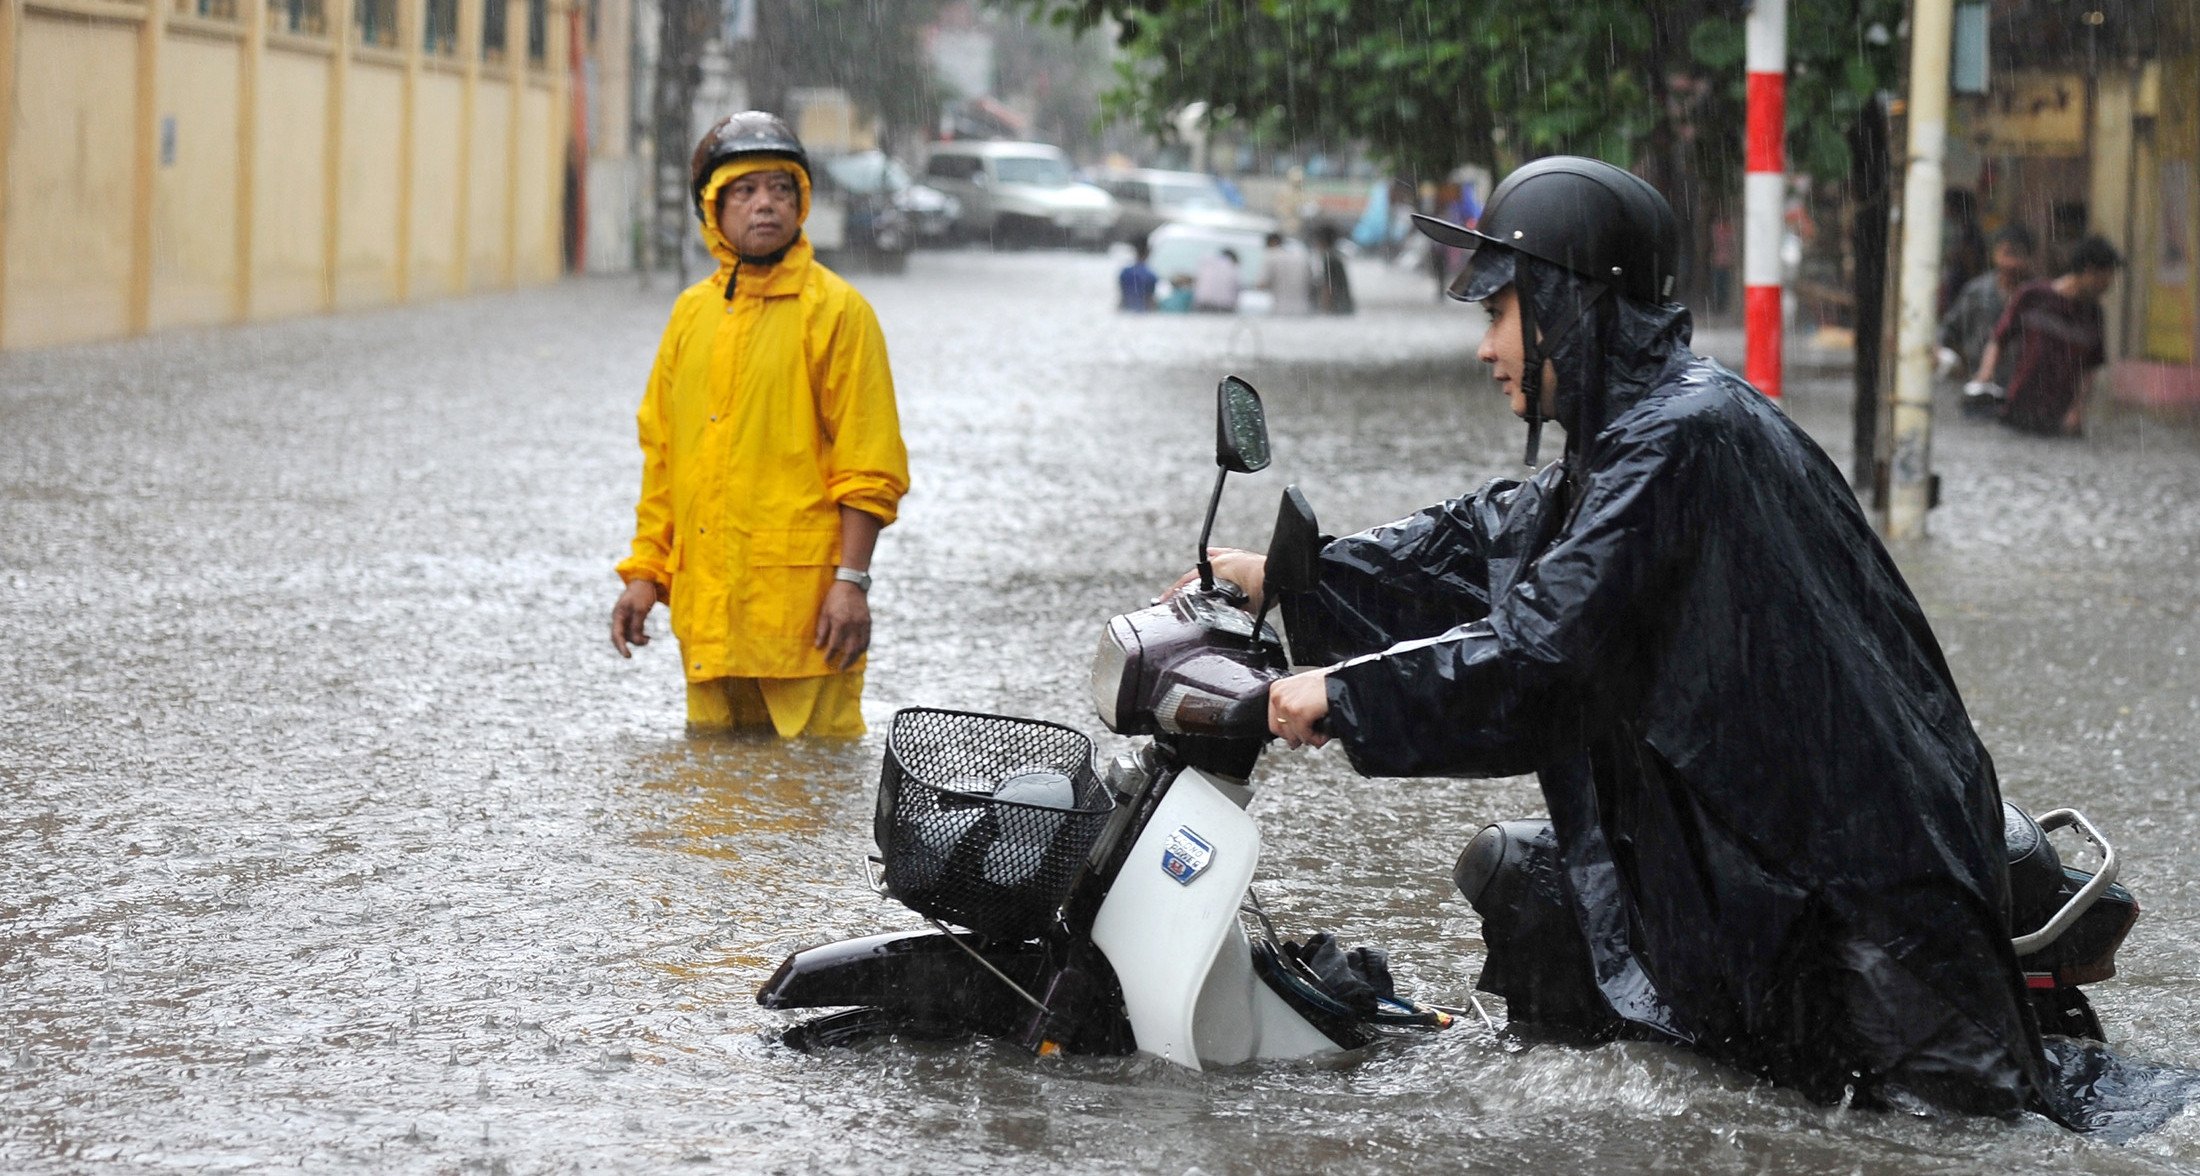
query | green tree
(1657,85)
(1427,85)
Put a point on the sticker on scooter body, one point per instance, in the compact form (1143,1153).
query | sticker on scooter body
(1186,855)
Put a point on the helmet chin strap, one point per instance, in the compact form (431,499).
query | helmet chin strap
(1532,355)
(764,259)
(1531,372)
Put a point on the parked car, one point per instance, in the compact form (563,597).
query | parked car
(932,213)
(927,213)
(1153,198)
(854,222)
(1017,193)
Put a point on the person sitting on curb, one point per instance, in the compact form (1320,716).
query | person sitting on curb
(2060,339)
(1969,325)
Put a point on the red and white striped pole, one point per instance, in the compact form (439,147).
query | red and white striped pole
(1764,193)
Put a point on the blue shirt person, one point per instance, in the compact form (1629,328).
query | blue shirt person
(1137,283)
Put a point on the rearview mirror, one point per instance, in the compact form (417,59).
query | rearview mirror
(1241,447)
(1241,433)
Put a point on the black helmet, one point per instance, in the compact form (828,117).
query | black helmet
(1578,238)
(1602,222)
(751,132)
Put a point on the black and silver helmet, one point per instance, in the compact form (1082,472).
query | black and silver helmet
(1577,237)
(1602,222)
(751,132)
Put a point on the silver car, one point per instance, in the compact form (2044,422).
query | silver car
(1020,193)
(1152,198)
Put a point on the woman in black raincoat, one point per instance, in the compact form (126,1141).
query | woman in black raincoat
(1777,833)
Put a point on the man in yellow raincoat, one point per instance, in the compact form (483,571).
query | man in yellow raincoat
(771,458)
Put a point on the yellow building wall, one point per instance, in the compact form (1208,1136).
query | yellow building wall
(71,170)
(436,195)
(369,200)
(289,214)
(2167,265)
(541,189)
(207,198)
(195,184)
(485,220)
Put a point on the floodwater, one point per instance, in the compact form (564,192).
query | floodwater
(336,837)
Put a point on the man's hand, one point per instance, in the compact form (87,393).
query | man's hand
(844,625)
(1988,360)
(1296,705)
(1245,569)
(630,615)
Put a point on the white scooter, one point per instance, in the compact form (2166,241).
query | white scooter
(1105,911)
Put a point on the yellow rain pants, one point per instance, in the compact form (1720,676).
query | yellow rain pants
(830,707)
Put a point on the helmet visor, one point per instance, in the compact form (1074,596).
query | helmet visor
(1489,266)
(1489,270)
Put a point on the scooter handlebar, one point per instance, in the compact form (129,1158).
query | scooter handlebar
(1246,715)
(1252,711)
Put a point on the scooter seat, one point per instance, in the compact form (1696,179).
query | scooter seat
(2035,869)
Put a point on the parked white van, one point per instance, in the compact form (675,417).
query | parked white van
(1019,193)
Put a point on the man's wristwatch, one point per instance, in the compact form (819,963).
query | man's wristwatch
(856,576)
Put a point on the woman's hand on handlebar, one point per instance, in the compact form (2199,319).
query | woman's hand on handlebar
(1246,569)
(1298,707)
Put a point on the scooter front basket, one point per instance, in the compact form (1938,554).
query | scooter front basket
(956,851)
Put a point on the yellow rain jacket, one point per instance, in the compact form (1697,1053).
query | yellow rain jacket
(765,413)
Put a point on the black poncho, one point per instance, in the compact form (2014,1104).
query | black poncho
(1781,838)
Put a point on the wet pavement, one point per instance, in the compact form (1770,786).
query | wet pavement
(336,837)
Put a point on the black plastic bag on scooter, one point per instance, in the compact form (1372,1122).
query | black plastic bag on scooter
(1347,993)
(1779,838)
(1359,979)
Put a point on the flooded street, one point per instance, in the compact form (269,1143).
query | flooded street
(335,836)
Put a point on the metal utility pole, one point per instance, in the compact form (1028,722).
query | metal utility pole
(1909,471)
(1872,195)
(1764,193)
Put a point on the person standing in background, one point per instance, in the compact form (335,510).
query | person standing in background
(1332,284)
(1285,277)
(771,458)
(1290,201)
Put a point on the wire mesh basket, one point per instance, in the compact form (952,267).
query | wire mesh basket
(984,820)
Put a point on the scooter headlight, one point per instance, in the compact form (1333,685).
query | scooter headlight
(1111,664)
